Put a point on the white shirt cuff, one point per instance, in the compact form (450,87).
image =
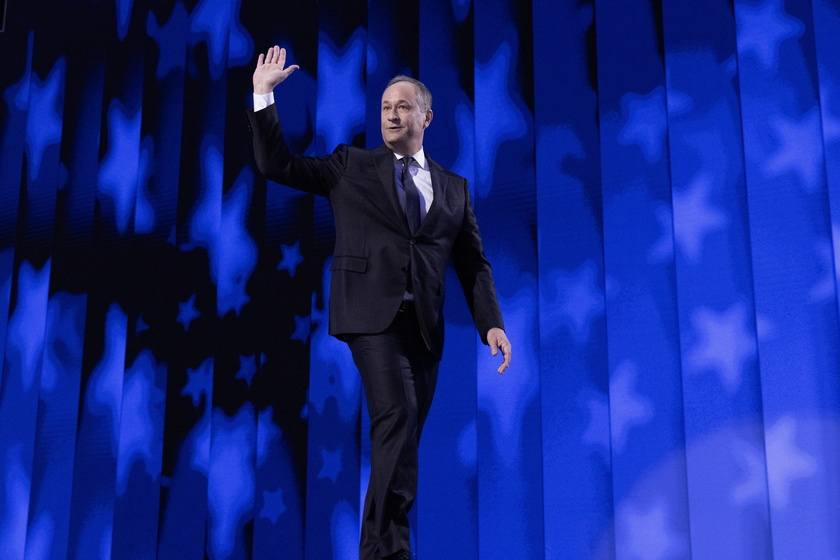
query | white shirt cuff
(261,101)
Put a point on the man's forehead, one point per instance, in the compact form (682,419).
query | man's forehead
(399,91)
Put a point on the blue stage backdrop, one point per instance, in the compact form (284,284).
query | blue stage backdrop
(658,185)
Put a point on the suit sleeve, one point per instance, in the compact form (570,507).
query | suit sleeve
(475,274)
(277,163)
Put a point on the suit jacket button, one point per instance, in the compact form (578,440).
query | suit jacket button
(404,269)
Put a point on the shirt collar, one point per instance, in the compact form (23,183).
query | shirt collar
(419,157)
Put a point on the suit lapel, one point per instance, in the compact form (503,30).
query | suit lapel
(439,185)
(383,159)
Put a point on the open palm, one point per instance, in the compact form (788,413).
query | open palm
(271,70)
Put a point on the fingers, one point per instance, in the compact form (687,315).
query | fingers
(274,55)
(506,362)
(497,340)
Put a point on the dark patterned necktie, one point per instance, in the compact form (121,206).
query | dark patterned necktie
(412,196)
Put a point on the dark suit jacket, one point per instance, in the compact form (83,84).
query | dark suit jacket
(374,249)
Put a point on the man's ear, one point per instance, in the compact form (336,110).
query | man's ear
(429,116)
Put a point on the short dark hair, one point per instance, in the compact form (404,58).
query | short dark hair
(425,94)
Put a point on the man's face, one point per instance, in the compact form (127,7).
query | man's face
(403,120)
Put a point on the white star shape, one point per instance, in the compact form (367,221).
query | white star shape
(695,218)
(725,343)
(762,28)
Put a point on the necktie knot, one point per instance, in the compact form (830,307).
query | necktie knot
(406,164)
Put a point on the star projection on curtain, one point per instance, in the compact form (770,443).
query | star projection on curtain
(658,189)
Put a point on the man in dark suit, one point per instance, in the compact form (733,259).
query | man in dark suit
(399,219)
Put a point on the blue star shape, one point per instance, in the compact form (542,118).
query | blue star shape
(268,434)
(123,17)
(663,249)
(120,167)
(187,312)
(800,149)
(43,126)
(171,40)
(645,122)
(331,464)
(140,325)
(790,462)
(199,382)
(503,118)
(830,123)
(828,256)
(247,369)
(695,218)
(291,258)
(762,28)
(724,343)
(579,300)
(213,21)
(302,329)
(597,431)
(648,531)
(237,251)
(273,505)
(142,404)
(341,95)
(465,163)
(144,210)
(627,408)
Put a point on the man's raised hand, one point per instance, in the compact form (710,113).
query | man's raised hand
(271,70)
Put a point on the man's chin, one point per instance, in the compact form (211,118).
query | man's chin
(394,143)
